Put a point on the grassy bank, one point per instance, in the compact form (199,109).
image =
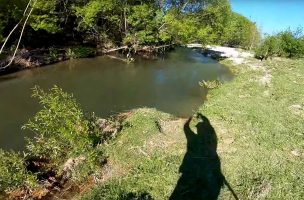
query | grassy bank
(247,143)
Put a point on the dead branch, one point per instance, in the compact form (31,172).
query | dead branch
(115,49)
(20,37)
(15,27)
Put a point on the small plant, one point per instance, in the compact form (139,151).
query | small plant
(210,84)
(53,53)
(13,173)
(80,52)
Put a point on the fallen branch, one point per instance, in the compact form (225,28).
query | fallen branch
(121,59)
(164,46)
(115,49)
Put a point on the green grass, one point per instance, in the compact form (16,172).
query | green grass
(266,130)
(260,131)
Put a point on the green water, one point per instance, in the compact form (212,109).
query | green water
(107,86)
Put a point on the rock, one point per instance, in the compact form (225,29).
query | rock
(296,153)
(70,165)
(228,140)
(296,107)
(266,79)
(219,52)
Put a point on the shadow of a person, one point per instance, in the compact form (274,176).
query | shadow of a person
(201,177)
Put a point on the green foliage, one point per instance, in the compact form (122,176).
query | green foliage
(143,23)
(89,13)
(181,29)
(10,12)
(103,22)
(216,16)
(66,142)
(212,24)
(291,44)
(114,191)
(63,132)
(141,153)
(45,16)
(206,36)
(53,53)
(13,173)
(240,32)
(80,52)
(270,47)
(285,44)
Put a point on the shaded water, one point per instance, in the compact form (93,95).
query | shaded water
(108,86)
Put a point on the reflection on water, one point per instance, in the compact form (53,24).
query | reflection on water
(107,86)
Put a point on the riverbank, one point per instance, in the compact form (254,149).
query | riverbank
(258,121)
(39,57)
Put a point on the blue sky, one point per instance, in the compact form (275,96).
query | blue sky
(272,16)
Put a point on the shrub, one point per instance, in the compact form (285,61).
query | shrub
(270,47)
(240,32)
(62,133)
(53,53)
(68,144)
(13,173)
(291,44)
(285,44)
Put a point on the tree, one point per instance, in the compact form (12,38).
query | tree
(240,32)
(107,23)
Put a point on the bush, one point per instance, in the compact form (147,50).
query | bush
(270,47)
(240,32)
(68,145)
(62,133)
(13,173)
(53,54)
(285,44)
(291,44)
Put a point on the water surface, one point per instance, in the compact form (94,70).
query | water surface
(107,86)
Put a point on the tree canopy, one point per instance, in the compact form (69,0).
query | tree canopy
(131,22)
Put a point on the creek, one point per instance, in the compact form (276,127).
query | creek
(108,86)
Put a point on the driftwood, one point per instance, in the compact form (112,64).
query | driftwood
(144,48)
(164,46)
(127,60)
(153,49)
(115,49)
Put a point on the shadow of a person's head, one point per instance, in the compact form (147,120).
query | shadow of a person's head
(206,133)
